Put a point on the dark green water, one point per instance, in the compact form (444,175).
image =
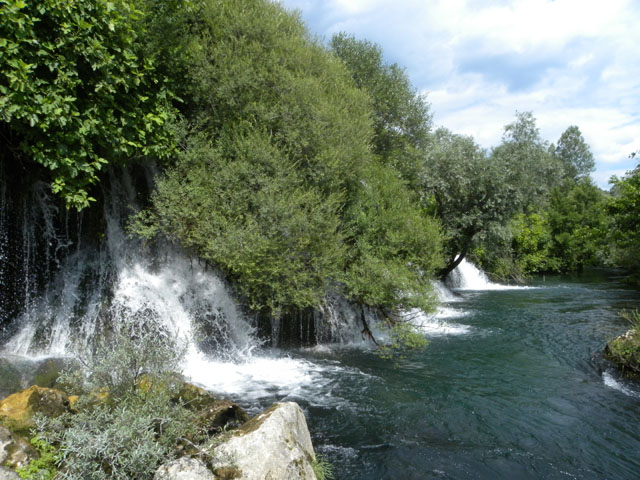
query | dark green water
(525,394)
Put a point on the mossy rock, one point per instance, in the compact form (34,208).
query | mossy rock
(17,411)
(222,415)
(624,351)
(194,398)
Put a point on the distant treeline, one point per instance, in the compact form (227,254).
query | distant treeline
(297,168)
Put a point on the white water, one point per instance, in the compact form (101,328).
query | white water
(467,277)
(611,382)
(123,285)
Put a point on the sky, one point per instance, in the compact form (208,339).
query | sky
(569,62)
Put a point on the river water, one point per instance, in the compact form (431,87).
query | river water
(512,386)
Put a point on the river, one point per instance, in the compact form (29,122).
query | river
(512,386)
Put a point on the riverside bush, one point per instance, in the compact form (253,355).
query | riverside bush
(134,428)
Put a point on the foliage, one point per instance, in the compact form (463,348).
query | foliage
(575,154)
(244,207)
(322,469)
(472,192)
(279,188)
(401,117)
(624,209)
(76,91)
(403,338)
(578,223)
(533,243)
(396,245)
(137,426)
(633,317)
(45,467)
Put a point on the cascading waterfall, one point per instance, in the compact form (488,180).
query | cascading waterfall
(467,276)
(84,289)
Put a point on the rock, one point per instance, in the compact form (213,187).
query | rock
(46,375)
(17,410)
(7,474)
(10,378)
(221,415)
(274,445)
(184,468)
(15,451)
(624,351)
(194,398)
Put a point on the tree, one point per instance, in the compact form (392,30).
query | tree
(625,211)
(476,194)
(401,118)
(276,184)
(469,189)
(578,222)
(77,92)
(575,154)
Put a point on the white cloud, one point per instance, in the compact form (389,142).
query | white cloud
(571,62)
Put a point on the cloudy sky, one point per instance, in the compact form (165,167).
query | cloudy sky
(570,62)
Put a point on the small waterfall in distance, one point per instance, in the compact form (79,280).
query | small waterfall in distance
(467,276)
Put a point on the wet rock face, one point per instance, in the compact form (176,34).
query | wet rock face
(15,451)
(274,445)
(18,410)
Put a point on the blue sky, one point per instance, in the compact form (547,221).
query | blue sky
(570,62)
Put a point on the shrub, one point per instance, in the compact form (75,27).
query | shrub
(134,428)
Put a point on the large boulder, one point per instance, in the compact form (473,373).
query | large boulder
(184,468)
(18,410)
(15,451)
(274,445)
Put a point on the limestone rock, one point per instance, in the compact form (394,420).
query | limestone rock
(184,468)
(18,410)
(7,474)
(15,451)
(274,445)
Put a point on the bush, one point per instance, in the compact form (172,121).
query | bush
(134,428)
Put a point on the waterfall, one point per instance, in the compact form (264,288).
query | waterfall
(94,290)
(467,276)
(83,277)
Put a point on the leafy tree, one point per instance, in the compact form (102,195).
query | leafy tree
(276,184)
(77,91)
(401,117)
(470,191)
(575,154)
(396,245)
(578,222)
(624,209)
(243,206)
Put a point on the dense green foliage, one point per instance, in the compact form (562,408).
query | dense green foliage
(401,117)
(280,188)
(76,91)
(625,211)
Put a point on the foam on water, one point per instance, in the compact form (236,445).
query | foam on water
(435,325)
(612,382)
